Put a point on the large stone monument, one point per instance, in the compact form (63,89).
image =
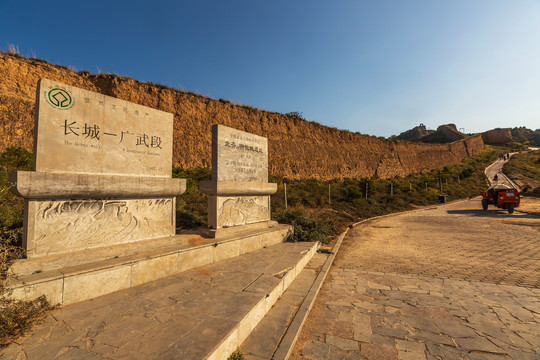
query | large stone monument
(102,173)
(239,192)
(100,203)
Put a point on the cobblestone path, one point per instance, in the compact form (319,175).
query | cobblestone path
(448,282)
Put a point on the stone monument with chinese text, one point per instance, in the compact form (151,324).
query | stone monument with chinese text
(100,203)
(102,173)
(239,192)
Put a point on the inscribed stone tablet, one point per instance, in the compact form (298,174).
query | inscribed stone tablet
(238,155)
(82,131)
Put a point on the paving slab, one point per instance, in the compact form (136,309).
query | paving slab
(437,283)
(190,315)
(89,273)
(266,337)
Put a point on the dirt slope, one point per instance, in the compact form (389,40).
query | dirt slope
(298,148)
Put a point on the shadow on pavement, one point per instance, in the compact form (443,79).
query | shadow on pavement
(492,213)
(534,213)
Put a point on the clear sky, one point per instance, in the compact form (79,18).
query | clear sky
(378,67)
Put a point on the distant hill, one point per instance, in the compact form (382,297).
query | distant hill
(444,134)
(523,135)
(448,133)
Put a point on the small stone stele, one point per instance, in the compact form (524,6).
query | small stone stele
(239,190)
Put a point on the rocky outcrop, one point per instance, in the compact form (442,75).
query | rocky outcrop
(497,136)
(297,148)
(416,133)
(444,134)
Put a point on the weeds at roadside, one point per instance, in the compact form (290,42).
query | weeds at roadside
(10,250)
(11,207)
(306,228)
(237,355)
(17,317)
(352,200)
(526,167)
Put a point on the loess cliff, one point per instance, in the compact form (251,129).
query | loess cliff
(297,148)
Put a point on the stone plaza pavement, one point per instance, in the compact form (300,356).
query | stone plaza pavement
(447,282)
(190,315)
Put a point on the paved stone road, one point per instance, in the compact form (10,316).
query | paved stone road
(452,282)
(496,169)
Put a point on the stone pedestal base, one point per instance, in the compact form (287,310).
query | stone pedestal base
(87,274)
(230,232)
(235,206)
(66,212)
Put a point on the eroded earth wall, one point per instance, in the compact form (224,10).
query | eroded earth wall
(497,136)
(297,148)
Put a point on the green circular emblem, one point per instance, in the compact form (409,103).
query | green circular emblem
(59,98)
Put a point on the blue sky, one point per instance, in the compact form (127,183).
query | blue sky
(378,67)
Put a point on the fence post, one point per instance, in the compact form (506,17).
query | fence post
(367,186)
(285,180)
(329,198)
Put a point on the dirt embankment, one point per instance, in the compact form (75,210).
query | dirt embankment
(297,148)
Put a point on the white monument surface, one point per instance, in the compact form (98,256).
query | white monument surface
(239,190)
(102,172)
(81,131)
(238,155)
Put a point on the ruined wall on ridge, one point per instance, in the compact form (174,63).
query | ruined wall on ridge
(497,136)
(297,148)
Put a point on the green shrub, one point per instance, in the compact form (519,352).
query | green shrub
(11,207)
(237,355)
(306,228)
(525,167)
(16,158)
(296,115)
(525,164)
(466,173)
(191,206)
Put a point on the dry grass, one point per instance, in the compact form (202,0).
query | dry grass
(13,49)
(524,169)
(9,251)
(17,317)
